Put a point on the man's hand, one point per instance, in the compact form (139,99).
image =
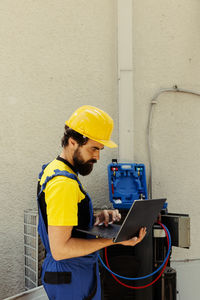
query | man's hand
(135,240)
(107,216)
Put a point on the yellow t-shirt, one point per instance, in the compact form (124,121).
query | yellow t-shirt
(62,196)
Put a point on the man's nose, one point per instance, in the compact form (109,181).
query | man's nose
(97,155)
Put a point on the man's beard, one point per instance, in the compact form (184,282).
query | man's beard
(83,168)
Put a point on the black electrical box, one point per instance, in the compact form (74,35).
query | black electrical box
(128,262)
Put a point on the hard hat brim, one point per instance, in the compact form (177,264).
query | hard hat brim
(107,143)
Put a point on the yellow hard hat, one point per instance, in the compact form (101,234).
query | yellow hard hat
(93,123)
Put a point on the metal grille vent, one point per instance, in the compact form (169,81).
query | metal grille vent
(34,252)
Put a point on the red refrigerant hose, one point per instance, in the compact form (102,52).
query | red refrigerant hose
(144,286)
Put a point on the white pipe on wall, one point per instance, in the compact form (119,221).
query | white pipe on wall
(125,80)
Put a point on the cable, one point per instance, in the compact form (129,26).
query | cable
(151,283)
(153,102)
(143,286)
(149,275)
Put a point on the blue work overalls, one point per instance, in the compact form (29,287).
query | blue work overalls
(68,279)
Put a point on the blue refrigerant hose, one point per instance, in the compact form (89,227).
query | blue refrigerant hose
(146,276)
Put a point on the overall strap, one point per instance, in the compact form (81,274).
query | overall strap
(41,173)
(58,172)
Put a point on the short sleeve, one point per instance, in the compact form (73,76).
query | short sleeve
(62,195)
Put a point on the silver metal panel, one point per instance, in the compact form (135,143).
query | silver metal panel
(184,232)
(37,293)
(179,228)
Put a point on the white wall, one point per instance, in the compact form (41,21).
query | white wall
(188,280)
(166,52)
(54,57)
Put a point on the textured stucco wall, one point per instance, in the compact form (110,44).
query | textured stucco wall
(54,57)
(166,52)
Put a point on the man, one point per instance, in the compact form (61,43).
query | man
(70,270)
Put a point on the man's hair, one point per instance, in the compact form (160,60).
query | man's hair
(79,138)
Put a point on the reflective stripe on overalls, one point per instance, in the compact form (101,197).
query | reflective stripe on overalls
(68,279)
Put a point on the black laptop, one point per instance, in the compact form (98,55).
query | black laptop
(143,213)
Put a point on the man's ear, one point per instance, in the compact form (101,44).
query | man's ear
(72,143)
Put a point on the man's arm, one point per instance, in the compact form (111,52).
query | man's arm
(63,246)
